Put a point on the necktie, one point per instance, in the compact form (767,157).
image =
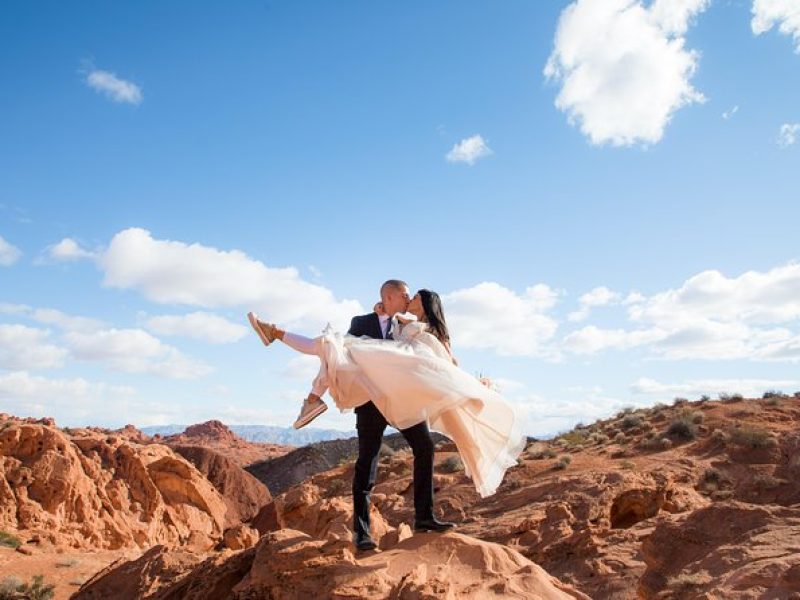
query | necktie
(389,330)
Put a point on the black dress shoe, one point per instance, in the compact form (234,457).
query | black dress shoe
(364,542)
(432,524)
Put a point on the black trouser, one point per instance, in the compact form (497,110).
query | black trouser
(371,424)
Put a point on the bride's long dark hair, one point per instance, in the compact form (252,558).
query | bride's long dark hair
(434,313)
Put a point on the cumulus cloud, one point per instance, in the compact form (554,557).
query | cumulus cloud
(787,136)
(710,316)
(783,13)
(67,250)
(134,351)
(24,347)
(712,387)
(491,316)
(9,254)
(469,150)
(173,272)
(592,339)
(599,296)
(113,87)
(623,67)
(68,400)
(203,326)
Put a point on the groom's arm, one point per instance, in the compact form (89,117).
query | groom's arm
(355,327)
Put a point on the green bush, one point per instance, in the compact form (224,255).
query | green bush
(562,463)
(751,437)
(682,428)
(12,588)
(11,541)
(630,421)
(451,464)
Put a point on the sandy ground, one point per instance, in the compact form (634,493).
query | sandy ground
(67,570)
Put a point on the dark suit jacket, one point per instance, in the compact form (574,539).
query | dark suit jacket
(368,325)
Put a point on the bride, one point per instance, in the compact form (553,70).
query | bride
(413,378)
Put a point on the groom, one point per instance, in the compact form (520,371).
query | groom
(371,424)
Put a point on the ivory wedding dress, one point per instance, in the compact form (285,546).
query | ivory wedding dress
(412,379)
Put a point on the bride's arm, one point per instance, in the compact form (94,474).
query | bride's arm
(450,352)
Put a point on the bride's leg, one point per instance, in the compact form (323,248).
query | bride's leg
(299,342)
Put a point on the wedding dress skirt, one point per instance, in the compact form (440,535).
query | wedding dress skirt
(412,379)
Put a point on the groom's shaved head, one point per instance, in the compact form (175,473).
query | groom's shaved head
(397,284)
(394,295)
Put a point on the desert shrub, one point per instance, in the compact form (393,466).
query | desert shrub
(751,437)
(682,427)
(12,588)
(451,464)
(337,487)
(562,463)
(730,398)
(9,540)
(705,398)
(765,481)
(599,438)
(541,454)
(626,410)
(719,436)
(630,421)
(713,479)
(797,394)
(772,394)
(575,437)
(773,401)
(659,407)
(680,401)
(657,444)
(620,438)
(627,464)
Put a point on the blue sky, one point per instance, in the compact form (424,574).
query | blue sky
(604,191)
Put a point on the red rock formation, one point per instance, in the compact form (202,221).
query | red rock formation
(98,491)
(244,495)
(216,436)
(291,565)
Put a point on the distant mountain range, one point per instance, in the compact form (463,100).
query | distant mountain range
(268,434)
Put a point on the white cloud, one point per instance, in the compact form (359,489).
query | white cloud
(491,316)
(67,250)
(9,254)
(113,87)
(787,136)
(623,68)
(783,13)
(710,316)
(203,326)
(469,150)
(730,112)
(24,347)
(302,368)
(712,387)
(172,272)
(592,339)
(599,296)
(134,351)
(68,400)
(52,316)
